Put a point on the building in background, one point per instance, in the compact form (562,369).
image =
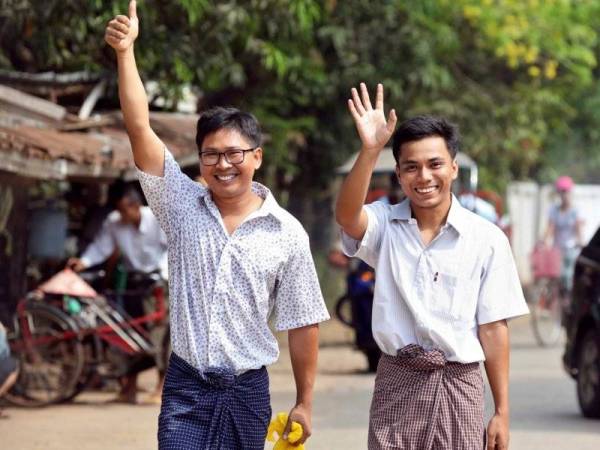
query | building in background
(57,164)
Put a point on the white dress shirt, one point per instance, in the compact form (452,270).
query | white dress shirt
(437,295)
(225,289)
(143,248)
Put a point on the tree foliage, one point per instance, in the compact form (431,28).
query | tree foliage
(518,76)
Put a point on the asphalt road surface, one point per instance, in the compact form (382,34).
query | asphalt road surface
(544,411)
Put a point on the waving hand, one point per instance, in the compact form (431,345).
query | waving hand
(374,130)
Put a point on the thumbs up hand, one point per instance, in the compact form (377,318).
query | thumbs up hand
(122,30)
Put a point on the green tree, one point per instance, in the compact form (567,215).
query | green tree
(519,76)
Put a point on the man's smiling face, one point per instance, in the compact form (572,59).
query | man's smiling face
(226,180)
(426,171)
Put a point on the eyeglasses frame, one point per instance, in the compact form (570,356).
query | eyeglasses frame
(224,155)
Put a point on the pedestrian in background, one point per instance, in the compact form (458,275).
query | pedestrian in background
(564,230)
(133,231)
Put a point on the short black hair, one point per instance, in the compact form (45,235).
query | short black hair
(121,190)
(421,127)
(217,118)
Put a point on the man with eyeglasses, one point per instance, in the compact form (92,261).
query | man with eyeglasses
(237,261)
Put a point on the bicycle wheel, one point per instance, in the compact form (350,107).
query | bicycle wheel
(50,356)
(546,312)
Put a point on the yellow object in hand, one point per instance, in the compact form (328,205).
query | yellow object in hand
(277,425)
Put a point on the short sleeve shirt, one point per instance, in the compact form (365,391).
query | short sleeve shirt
(437,295)
(225,289)
(565,227)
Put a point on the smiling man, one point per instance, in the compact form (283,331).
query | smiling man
(446,283)
(237,262)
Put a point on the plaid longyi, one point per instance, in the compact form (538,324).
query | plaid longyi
(423,402)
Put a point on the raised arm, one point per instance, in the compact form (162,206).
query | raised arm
(148,150)
(374,132)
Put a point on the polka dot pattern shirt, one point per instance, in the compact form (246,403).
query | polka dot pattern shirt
(225,289)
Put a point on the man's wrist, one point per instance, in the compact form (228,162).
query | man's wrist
(371,150)
(304,401)
(502,411)
(85,262)
(127,53)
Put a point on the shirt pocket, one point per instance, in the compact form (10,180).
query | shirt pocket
(455,298)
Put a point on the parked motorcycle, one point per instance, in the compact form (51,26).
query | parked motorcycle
(354,309)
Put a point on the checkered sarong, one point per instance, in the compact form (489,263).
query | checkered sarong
(213,410)
(423,402)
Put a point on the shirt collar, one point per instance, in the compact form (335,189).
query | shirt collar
(456,215)
(269,206)
(401,211)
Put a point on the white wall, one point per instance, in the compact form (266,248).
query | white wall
(528,206)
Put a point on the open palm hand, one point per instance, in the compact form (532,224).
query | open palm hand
(373,128)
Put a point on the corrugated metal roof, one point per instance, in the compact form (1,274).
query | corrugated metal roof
(49,78)
(47,143)
(31,103)
(100,152)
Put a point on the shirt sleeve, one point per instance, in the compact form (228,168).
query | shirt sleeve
(100,248)
(169,195)
(500,294)
(298,298)
(368,248)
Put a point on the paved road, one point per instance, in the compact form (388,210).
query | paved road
(544,408)
(544,411)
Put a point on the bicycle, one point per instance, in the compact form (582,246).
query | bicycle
(549,295)
(61,342)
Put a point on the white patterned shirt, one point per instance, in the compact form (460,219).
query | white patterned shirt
(437,295)
(225,289)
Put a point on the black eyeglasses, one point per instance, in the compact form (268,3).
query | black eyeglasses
(233,156)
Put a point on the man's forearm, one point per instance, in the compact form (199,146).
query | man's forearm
(134,102)
(494,339)
(354,189)
(304,348)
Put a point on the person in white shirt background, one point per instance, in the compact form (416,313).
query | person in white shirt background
(133,231)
